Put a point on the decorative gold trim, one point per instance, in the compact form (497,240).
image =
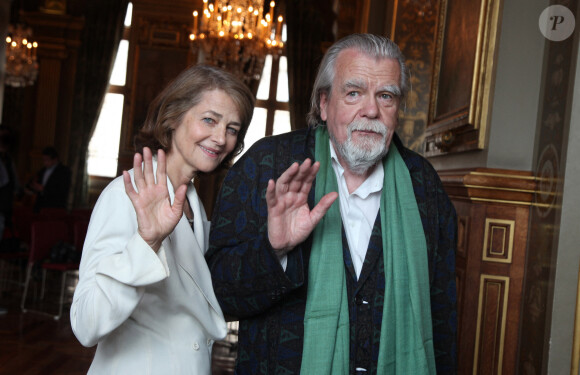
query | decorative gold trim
(499,188)
(440,32)
(502,201)
(508,256)
(489,200)
(481,94)
(482,281)
(503,175)
(394,23)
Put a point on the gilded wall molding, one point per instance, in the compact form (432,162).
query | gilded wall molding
(491,185)
(491,324)
(498,240)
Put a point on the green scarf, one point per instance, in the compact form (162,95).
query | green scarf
(406,345)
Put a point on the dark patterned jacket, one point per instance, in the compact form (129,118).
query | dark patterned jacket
(252,286)
(55,192)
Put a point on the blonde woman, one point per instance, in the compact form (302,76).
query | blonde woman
(145,295)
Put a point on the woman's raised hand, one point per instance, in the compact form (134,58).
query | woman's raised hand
(156,216)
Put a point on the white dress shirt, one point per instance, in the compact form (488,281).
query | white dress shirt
(358,210)
(47,172)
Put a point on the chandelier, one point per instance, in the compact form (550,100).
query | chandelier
(21,62)
(237,35)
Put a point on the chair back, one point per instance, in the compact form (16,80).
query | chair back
(81,213)
(54,212)
(80,227)
(22,217)
(43,235)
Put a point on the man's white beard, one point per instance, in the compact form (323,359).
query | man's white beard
(363,154)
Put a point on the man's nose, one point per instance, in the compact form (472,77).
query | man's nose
(370,108)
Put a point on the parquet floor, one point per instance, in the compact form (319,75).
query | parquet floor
(33,344)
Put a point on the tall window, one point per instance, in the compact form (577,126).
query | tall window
(272,114)
(104,145)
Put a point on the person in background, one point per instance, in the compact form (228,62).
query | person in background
(145,296)
(334,245)
(51,184)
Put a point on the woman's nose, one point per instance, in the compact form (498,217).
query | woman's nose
(219,135)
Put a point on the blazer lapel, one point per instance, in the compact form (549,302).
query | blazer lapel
(200,223)
(190,258)
(189,246)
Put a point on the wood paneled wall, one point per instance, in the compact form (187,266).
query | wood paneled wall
(493,209)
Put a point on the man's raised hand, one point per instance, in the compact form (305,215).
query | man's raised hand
(290,220)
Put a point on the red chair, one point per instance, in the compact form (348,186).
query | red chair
(79,229)
(44,235)
(81,213)
(54,213)
(13,255)
(22,218)
(15,244)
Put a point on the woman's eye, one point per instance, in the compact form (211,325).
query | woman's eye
(208,120)
(233,131)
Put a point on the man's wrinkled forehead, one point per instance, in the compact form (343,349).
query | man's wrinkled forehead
(356,70)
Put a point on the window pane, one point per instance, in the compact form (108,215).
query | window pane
(129,15)
(257,129)
(120,68)
(281,122)
(264,87)
(104,145)
(282,92)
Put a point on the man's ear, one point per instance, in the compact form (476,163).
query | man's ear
(323,104)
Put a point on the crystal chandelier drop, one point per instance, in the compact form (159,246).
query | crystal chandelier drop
(237,35)
(21,61)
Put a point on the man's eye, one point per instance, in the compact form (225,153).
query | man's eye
(353,93)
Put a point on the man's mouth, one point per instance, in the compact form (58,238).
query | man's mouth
(364,131)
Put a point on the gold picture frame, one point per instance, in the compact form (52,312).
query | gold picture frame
(463,76)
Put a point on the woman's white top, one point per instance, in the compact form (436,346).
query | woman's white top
(149,313)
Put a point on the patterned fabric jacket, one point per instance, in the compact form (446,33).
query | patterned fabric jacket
(252,286)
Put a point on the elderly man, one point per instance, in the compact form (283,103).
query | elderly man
(363,285)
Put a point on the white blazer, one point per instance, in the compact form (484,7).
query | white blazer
(149,313)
